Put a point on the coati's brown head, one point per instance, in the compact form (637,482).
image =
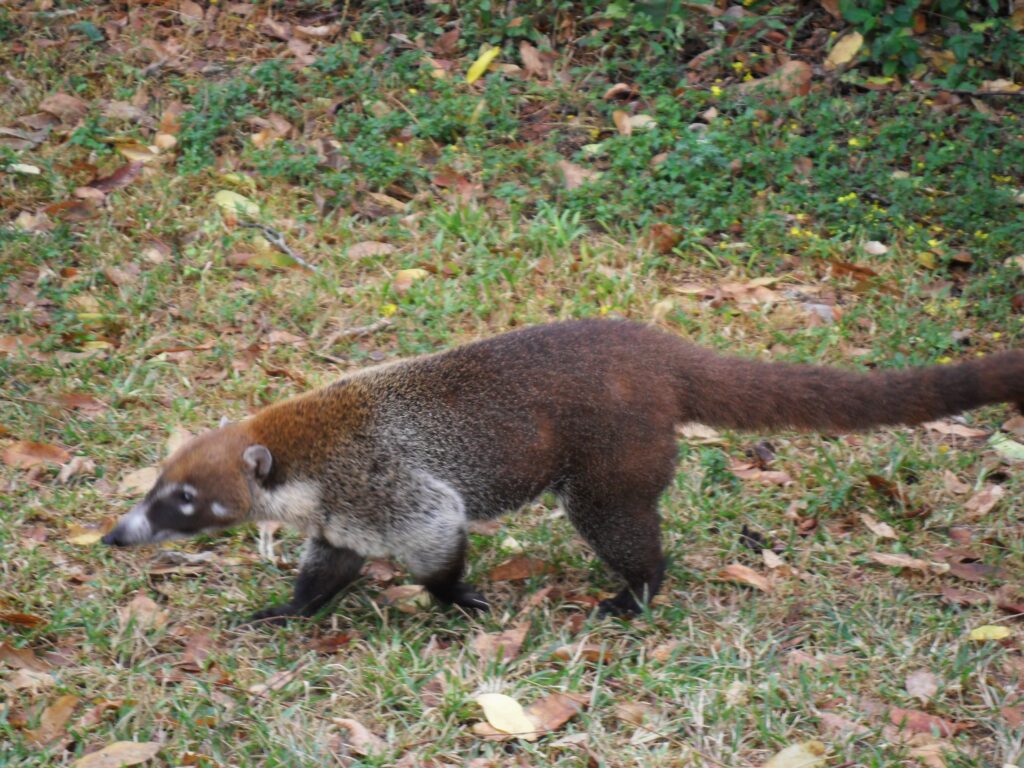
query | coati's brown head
(206,485)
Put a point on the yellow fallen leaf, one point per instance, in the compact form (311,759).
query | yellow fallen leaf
(844,50)
(83,537)
(136,152)
(483,61)
(990,632)
(404,278)
(809,754)
(234,204)
(139,481)
(506,714)
(119,754)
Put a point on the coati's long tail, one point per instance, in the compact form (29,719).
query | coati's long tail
(744,394)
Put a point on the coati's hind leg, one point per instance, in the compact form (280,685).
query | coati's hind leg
(324,571)
(624,530)
(440,571)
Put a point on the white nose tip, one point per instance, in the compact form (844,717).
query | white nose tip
(134,528)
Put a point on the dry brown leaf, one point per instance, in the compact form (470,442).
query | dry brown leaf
(138,482)
(953,484)
(899,561)
(662,653)
(945,427)
(916,721)
(501,646)
(1015,425)
(143,613)
(275,682)
(981,503)
(826,662)
(742,574)
(369,248)
(622,124)
(408,598)
(555,710)
(79,465)
(20,620)
(958,596)
(634,712)
(519,568)
(791,79)
(745,470)
(119,754)
(190,10)
(837,725)
(64,106)
(22,658)
(52,722)
(771,559)
(24,454)
(923,685)
(533,61)
(575,176)
(585,651)
(362,740)
(881,529)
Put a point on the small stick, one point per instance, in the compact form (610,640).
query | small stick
(276,239)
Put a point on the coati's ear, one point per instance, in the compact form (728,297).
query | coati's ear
(258,461)
(224,421)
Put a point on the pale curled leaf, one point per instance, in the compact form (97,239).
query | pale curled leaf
(844,50)
(922,684)
(990,632)
(881,529)
(809,754)
(505,714)
(234,204)
(118,754)
(981,503)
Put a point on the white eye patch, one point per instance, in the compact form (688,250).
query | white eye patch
(220,510)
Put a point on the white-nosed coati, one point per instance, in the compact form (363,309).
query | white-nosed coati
(394,460)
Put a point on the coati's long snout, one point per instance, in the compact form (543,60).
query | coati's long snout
(395,460)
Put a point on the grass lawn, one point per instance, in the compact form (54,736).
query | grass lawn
(858,226)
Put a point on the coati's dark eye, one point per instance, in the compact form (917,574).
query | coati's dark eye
(187,496)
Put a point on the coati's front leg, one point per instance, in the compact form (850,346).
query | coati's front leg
(324,571)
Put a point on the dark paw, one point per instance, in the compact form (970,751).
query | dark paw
(472,601)
(462,595)
(275,615)
(623,606)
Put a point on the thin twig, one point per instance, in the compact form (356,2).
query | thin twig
(362,330)
(276,239)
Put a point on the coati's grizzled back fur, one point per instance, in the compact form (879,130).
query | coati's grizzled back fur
(395,459)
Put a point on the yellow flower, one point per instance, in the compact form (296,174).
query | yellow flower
(933,243)
(716,91)
(738,67)
(412,91)
(981,235)
(853,142)
(388,309)
(944,360)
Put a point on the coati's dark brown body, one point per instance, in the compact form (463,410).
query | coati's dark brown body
(394,460)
